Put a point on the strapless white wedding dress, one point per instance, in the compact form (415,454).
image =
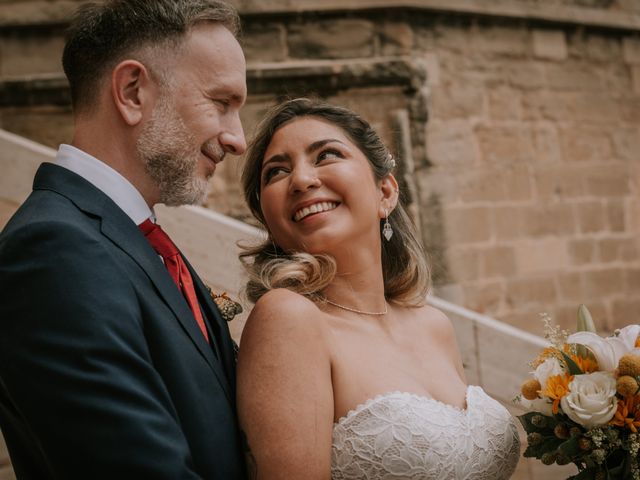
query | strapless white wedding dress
(406,436)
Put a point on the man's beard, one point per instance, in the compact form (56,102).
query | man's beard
(170,156)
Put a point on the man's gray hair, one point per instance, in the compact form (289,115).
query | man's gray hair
(103,34)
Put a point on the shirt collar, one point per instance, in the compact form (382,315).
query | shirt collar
(106,179)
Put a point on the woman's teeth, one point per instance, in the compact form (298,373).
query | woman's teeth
(315,208)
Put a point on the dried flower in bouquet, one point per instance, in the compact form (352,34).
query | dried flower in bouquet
(583,401)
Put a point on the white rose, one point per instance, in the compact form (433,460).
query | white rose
(591,400)
(546,369)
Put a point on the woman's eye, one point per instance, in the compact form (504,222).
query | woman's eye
(272,172)
(328,154)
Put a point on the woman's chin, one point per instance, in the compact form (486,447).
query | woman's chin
(318,247)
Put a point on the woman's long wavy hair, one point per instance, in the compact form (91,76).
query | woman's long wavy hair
(405,270)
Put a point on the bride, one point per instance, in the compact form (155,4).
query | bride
(344,372)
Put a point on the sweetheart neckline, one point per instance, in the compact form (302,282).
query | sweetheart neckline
(367,403)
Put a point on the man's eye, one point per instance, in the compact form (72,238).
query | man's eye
(222,103)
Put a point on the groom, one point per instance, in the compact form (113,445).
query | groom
(114,362)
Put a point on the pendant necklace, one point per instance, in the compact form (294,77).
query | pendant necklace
(361,312)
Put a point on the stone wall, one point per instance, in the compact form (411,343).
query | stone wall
(517,126)
(534,142)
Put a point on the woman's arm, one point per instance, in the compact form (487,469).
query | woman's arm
(285,398)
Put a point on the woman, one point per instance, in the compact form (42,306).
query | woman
(344,372)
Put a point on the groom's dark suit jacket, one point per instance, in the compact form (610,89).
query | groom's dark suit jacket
(104,372)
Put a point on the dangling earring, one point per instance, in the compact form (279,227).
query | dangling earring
(387,231)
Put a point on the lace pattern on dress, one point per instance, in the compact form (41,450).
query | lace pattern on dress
(400,435)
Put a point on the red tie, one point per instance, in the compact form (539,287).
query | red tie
(163,245)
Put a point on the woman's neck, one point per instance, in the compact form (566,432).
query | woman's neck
(359,283)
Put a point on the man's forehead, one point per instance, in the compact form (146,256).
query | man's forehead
(213,55)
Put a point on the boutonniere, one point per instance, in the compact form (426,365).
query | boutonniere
(228,307)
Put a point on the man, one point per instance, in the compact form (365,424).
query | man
(113,364)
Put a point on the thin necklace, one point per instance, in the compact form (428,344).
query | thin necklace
(361,312)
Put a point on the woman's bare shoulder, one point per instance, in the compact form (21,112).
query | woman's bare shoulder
(284,298)
(283,306)
(434,322)
(283,313)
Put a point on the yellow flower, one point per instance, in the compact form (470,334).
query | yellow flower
(586,364)
(557,387)
(629,364)
(627,386)
(628,413)
(530,389)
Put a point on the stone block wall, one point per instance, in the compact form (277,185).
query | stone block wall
(520,161)
(534,143)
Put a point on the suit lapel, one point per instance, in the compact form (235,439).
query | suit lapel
(119,228)
(218,325)
(127,236)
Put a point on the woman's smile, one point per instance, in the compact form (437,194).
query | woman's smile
(313,209)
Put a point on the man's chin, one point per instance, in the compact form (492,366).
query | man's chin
(192,196)
(201,188)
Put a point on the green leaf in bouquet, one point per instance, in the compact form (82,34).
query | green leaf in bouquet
(570,447)
(572,367)
(551,444)
(584,475)
(536,422)
(548,444)
(532,451)
(619,465)
(525,420)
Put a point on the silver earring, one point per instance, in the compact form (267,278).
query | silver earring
(387,231)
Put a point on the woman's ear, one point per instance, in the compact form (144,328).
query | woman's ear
(389,195)
(132,90)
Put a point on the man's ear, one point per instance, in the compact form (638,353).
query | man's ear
(390,195)
(132,90)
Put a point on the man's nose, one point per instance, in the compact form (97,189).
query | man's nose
(232,138)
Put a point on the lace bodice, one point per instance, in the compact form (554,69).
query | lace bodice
(406,436)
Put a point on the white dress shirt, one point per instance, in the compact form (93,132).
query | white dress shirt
(106,179)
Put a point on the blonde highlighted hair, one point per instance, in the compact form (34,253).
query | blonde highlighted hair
(405,269)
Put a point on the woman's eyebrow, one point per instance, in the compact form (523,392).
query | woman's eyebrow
(321,143)
(278,157)
(283,157)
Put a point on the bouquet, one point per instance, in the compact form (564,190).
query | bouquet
(583,401)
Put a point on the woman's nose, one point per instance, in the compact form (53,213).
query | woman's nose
(303,178)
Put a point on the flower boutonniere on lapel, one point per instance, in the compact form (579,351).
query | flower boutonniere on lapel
(228,307)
